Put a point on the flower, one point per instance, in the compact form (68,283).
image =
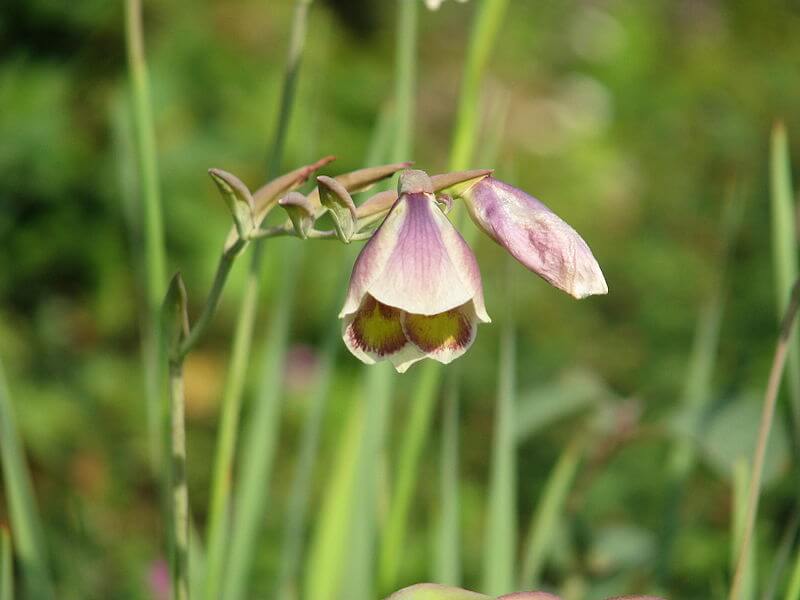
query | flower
(535,236)
(416,290)
(435,4)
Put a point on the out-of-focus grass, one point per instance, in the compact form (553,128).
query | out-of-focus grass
(6,566)
(499,550)
(22,506)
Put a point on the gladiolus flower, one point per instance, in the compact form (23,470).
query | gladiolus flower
(416,289)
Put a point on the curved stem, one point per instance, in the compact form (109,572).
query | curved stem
(770,397)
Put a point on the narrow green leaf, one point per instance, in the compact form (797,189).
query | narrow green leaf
(501,539)
(301,486)
(741,484)
(417,430)
(485,29)
(261,435)
(784,251)
(698,381)
(324,567)
(549,512)
(6,566)
(25,522)
(448,547)
(793,590)
(359,574)
(154,257)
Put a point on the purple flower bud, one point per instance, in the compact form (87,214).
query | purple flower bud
(416,290)
(535,236)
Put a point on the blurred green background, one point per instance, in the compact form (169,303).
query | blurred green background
(636,121)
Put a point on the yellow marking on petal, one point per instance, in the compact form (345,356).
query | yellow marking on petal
(377,328)
(449,329)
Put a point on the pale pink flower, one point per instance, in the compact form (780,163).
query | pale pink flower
(416,290)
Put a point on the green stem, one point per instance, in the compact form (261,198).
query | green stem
(768,411)
(154,253)
(243,336)
(501,527)
(411,445)
(212,301)
(22,511)
(448,569)
(6,566)
(793,591)
(180,492)
(228,431)
(405,78)
(487,25)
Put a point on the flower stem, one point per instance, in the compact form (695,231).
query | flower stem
(154,253)
(768,411)
(179,489)
(243,336)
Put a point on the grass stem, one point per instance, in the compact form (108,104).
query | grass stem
(179,487)
(154,252)
(768,411)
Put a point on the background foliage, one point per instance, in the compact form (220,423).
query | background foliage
(635,121)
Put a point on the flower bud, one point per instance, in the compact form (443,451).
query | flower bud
(175,315)
(337,200)
(239,201)
(300,212)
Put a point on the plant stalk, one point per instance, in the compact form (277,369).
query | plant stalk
(154,253)
(179,488)
(770,396)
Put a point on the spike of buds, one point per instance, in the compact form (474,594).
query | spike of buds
(337,200)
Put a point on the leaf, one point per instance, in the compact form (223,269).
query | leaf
(435,591)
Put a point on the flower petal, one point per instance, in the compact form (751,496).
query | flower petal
(416,261)
(443,337)
(535,236)
(375,333)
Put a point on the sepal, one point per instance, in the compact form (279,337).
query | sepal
(300,212)
(239,200)
(334,197)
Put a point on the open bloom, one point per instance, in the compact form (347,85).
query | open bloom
(416,290)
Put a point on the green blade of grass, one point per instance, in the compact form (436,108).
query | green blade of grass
(498,566)
(793,589)
(741,481)
(447,569)
(698,382)
(548,513)
(363,519)
(406,475)
(154,252)
(300,489)
(219,520)
(485,30)
(743,547)
(25,522)
(324,567)
(6,566)
(784,250)
(261,436)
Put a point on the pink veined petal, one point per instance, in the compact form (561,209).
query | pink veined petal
(416,261)
(445,336)
(536,237)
